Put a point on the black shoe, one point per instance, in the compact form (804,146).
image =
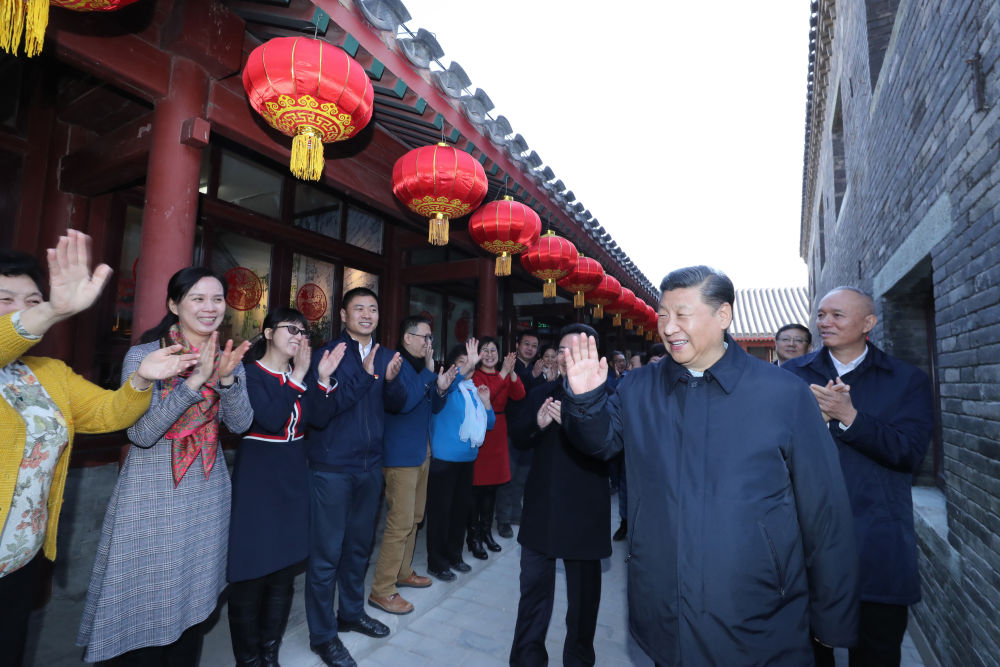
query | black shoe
(364,624)
(621,532)
(442,575)
(475,544)
(461,566)
(486,532)
(504,530)
(334,654)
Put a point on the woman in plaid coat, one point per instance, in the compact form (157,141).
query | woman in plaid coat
(161,560)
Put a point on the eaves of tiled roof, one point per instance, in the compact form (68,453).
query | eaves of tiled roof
(759,312)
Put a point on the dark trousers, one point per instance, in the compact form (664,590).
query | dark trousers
(343,507)
(511,495)
(534,610)
(449,490)
(185,652)
(17,590)
(880,634)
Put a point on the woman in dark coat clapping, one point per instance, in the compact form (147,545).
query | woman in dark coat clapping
(269,533)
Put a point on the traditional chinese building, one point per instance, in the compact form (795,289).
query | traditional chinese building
(134,126)
(901,197)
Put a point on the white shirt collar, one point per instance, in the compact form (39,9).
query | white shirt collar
(844,369)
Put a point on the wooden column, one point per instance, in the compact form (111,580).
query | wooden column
(487,307)
(171,209)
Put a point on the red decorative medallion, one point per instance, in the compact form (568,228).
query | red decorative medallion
(245,289)
(311,301)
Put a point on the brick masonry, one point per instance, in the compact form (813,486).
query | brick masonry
(918,227)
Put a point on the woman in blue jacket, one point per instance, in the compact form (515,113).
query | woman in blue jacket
(269,531)
(456,435)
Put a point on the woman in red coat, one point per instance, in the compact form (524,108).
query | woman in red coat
(492,466)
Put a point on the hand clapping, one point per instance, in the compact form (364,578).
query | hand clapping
(551,411)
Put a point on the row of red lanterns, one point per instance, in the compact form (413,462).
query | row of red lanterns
(317,93)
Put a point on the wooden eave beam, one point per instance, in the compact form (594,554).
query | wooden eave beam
(132,63)
(109,162)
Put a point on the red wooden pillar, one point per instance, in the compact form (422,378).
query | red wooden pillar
(486,314)
(171,209)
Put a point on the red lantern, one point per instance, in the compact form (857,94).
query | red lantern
(653,324)
(549,260)
(32,17)
(636,316)
(622,306)
(606,293)
(505,228)
(439,182)
(587,275)
(641,318)
(310,90)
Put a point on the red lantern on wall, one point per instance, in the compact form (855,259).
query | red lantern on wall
(606,293)
(637,316)
(549,260)
(587,275)
(641,318)
(310,90)
(504,228)
(439,182)
(31,17)
(623,306)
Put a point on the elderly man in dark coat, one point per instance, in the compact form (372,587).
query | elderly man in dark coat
(741,541)
(881,414)
(567,514)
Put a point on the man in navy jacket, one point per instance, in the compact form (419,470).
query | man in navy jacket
(345,480)
(405,465)
(740,542)
(881,415)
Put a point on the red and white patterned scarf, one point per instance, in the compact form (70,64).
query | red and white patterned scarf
(197,430)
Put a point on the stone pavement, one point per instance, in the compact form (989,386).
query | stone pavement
(469,621)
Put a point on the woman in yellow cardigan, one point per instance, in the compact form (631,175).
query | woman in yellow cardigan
(44,404)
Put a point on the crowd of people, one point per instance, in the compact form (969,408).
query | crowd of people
(767,510)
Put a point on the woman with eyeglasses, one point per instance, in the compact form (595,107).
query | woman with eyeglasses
(269,531)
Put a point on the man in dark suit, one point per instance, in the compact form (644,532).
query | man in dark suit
(566,515)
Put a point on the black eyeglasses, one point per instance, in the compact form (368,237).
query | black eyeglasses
(427,337)
(292,329)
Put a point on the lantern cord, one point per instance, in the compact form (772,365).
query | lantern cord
(503,265)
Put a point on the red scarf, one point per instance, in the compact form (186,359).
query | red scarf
(197,430)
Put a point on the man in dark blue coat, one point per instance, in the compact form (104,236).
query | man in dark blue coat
(741,542)
(881,415)
(345,481)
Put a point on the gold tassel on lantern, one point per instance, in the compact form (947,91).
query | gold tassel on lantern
(598,311)
(307,154)
(503,265)
(437,231)
(549,289)
(12,24)
(36,19)
(639,330)
(618,320)
(628,324)
(578,301)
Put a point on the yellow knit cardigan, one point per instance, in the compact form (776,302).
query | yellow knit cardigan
(86,407)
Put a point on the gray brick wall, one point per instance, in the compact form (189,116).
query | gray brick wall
(913,139)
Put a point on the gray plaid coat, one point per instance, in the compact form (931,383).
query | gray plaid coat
(161,560)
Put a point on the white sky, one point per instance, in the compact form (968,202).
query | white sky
(680,125)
